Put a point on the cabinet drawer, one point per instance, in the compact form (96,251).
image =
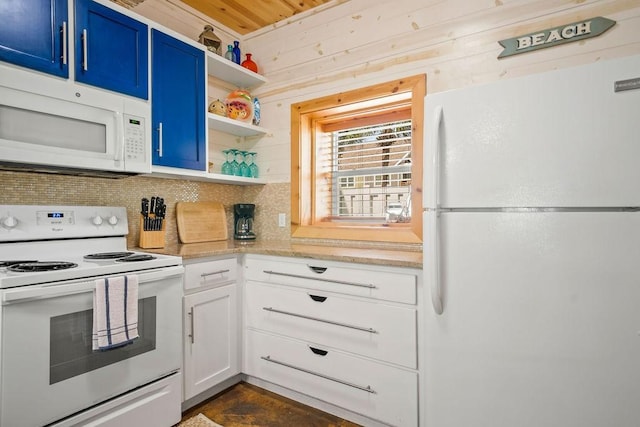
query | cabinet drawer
(371,329)
(210,273)
(344,278)
(375,390)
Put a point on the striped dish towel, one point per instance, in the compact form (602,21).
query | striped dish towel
(115,312)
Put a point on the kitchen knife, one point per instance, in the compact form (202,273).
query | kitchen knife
(152,212)
(152,207)
(145,213)
(158,222)
(162,211)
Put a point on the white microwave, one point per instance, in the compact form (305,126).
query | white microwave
(49,125)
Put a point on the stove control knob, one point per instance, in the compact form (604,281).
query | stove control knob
(113,220)
(9,222)
(96,220)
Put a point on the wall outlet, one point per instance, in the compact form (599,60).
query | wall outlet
(282,220)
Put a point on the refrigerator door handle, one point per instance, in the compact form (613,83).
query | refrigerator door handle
(432,266)
(432,202)
(432,168)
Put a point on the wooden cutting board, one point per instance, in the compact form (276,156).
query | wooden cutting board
(201,222)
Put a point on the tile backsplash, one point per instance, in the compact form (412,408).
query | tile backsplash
(21,188)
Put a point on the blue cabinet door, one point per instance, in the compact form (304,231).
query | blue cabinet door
(33,34)
(111,50)
(178,107)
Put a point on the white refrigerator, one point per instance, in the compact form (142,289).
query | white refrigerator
(532,251)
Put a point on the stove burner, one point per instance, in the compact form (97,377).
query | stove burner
(107,255)
(37,266)
(9,263)
(134,258)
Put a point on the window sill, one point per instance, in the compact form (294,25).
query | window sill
(393,233)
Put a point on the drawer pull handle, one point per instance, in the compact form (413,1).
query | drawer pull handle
(318,351)
(345,325)
(203,275)
(318,298)
(340,282)
(368,389)
(318,270)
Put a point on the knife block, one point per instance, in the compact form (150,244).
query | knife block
(152,239)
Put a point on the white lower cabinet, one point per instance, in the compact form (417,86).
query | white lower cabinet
(367,328)
(342,333)
(375,390)
(211,344)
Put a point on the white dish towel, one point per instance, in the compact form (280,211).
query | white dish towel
(115,312)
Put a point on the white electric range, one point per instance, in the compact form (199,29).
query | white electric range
(50,259)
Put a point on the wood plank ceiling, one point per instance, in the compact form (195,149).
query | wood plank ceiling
(244,16)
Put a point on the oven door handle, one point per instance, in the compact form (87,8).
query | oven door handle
(35,292)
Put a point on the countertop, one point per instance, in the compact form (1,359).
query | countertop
(360,254)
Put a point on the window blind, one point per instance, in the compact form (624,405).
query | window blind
(370,171)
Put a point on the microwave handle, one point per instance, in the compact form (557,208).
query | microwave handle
(119,149)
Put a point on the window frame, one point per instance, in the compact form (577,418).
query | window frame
(307,119)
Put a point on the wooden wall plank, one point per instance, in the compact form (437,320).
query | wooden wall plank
(367,59)
(455,42)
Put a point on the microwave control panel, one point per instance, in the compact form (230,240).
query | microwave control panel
(134,140)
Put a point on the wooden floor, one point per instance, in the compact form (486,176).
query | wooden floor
(247,405)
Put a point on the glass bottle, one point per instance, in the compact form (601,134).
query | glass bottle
(229,53)
(249,64)
(253,168)
(236,52)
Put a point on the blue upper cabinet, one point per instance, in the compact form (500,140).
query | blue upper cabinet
(33,34)
(178,107)
(111,50)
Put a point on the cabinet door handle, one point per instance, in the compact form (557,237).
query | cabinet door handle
(85,59)
(317,319)
(318,270)
(318,351)
(160,139)
(340,282)
(63,30)
(203,275)
(191,335)
(317,298)
(368,389)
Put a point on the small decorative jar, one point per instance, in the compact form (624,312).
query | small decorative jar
(218,107)
(240,106)
(249,64)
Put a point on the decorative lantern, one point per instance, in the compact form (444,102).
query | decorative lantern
(210,40)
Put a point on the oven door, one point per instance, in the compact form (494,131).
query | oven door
(48,369)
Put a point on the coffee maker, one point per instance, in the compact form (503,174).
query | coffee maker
(243,221)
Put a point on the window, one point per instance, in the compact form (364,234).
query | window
(357,164)
(366,164)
